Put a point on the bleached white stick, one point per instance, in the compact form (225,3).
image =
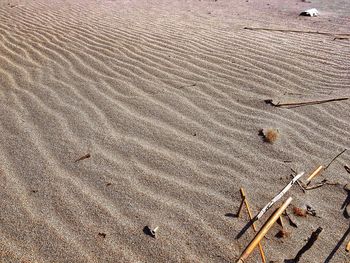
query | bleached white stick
(277,197)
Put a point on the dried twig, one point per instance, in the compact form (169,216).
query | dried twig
(324,182)
(308,245)
(242,203)
(335,158)
(83,157)
(299,104)
(267,226)
(315,173)
(296,31)
(244,198)
(277,197)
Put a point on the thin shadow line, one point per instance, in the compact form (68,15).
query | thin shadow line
(340,242)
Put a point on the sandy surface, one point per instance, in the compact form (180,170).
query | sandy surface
(168,99)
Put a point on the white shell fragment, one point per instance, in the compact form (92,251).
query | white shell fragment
(310,12)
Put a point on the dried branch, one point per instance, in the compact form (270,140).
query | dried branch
(299,104)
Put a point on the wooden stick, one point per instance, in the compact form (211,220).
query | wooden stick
(267,226)
(297,104)
(315,173)
(277,197)
(348,247)
(296,31)
(334,159)
(242,203)
(253,224)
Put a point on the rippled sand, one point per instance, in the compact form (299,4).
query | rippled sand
(168,99)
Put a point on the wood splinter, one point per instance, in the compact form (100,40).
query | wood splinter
(348,247)
(262,232)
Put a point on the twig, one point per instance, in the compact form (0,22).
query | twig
(299,104)
(335,158)
(244,198)
(277,197)
(324,182)
(296,31)
(315,173)
(262,232)
(83,157)
(242,203)
(308,245)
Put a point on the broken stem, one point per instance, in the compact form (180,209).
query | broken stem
(334,159)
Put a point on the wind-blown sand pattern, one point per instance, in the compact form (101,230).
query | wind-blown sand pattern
(168,98)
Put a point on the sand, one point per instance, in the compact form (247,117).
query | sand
(167,97)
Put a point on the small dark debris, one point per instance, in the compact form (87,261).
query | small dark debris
(347,168)
(83,157)
(282,234)
(194,134)
(150,232)
(34,191)
(108,184)
(230,215)
(340,38)
(310,211)
(103,235)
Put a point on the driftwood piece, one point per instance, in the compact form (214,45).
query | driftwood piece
(277,197)
(244,198)
(315,173)
(267,226)
(299,104)
(308,245)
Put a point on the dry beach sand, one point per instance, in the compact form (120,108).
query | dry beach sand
(167,97)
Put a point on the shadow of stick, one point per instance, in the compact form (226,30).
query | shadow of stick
(244,229)
(340,242)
